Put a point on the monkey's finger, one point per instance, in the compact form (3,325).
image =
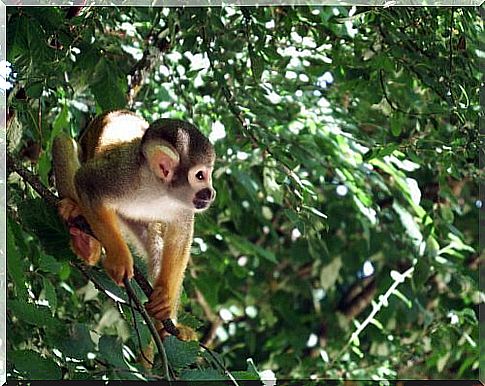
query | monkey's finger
(161,313)
(116,276)
(119,273)
(159,306)
(155,307)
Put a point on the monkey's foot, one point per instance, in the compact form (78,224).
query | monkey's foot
(119,265)
(68,209)
(159,306)
(186,333)
(83,245)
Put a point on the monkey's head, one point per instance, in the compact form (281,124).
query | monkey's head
(183,159)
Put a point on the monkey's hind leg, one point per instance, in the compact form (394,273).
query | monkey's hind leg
(164,300)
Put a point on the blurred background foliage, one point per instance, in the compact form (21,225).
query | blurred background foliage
(344,239)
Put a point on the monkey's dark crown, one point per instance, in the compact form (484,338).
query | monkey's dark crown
(183,136)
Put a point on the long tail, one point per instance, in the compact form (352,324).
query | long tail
(66,162)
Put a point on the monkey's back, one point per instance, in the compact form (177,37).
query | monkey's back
(108,129)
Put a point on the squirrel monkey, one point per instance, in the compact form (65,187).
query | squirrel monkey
(139,181)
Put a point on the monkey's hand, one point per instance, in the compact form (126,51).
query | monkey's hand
(83,245)
(119,264)
(68,209)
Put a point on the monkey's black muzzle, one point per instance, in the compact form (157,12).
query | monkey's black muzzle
(203,198)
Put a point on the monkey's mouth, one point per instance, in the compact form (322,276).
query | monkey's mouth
(201,204)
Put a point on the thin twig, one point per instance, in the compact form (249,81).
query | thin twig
(220,364)
(376,307)
(137,331)
(151,327)
(27,175)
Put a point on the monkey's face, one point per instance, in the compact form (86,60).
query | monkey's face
(200,180)
(182,158)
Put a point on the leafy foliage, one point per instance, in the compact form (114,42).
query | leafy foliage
(346,180)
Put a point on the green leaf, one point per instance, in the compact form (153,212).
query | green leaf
(42,220)
(422,271)
(376,323)
(108,284)
(245,375)
(60,122)
(15,264)
(257,66)
(193,73)
(202,375)
(64,271)
(381,152)
(111,350)
(246,247)
(248,183)
(44,165)
(48,264)
(315,211)
(34,89)
(50,294)
(273,189)
(180,354)
(329,274)
(78,343)
(397,122)
(34,366)
(441,363)
(401,296)
(34,314)
(109,86)
(209,288)
(189,320)
(447,214)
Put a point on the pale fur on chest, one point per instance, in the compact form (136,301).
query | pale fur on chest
(146,206)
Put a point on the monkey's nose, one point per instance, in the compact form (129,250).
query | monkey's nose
(205,194)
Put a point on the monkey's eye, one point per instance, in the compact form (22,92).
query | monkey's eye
(200,175)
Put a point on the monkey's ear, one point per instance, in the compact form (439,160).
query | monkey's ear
(163,161)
